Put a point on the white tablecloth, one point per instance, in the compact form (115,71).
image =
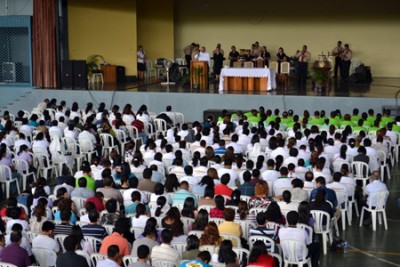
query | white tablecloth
(248,72)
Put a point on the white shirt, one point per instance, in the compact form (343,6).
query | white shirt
(139,222)
(204,56)
(233,176)
(373,187)
(291,233)
(128,198)
(43,241)
(107,263)
(281,185)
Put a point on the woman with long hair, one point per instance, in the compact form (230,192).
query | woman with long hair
(274,214)
(83,245)
(211,235)
(140,217)
(192,248)
(243,213)
(201,220)
(189,209)
(171,183)
(218,211)
(259,255)
(173,222)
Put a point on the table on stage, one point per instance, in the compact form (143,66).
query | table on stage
(250,79)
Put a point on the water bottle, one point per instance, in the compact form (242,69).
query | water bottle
(345,246)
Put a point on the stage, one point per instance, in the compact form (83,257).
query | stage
(344,96)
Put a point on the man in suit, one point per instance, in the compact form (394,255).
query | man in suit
(336,52)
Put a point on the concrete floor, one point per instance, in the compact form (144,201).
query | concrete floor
(369,248)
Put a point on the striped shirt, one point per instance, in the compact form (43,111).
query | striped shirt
(63,229)
(165,252)
(94,230)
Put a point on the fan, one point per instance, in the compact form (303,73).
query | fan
(167,65)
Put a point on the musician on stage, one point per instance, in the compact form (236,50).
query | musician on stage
(337,52)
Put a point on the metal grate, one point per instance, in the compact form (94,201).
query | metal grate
(15,50)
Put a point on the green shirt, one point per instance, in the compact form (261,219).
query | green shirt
(89,182)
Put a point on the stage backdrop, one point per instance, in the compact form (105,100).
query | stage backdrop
(371,28)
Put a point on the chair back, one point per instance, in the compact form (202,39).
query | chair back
(163,263)
(206,207)
(93,242)
(60,240)
(109,228)
(79,202)
(96,257)
(186,223)
(209,248)
(249,64)
(308,229)
(294,251)
(269,242)
(360,169)
(137,231)
(255,211)
(217,221)
(161,125)
(196,233)
(107,140)
(5,264)
(322,221)
(45,257)
(377,200)
(246,225)
(242,254)
(237,64)
(180,61)
(21,165)
(5,173)
(285,67)
(129,260)
(180,247)
(274,65)
(120,135)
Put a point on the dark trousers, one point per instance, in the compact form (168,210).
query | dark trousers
(302,69)
(188,59)
(338,65)
(314,251)
(345,69)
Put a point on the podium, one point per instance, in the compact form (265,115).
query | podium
(199,75)
(109,73)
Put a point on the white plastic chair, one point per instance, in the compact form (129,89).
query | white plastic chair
(109,228)
(206,207)
(180,247)
(383,159)
(246,225)
(45,257)
(74,148)
(161,126)
(295,252)
(324,229)
(361,171)
(241,253)
(22,167)
(60,240)
(163,263)
(87,148)
(44,165)
(79,202)
(186,222)
(308,229)
(137,231)
(5,171)
(149,69)
(96,257)
(94,243)
(255,211)
(107,142)
(196,233)
(129,260)
(122,139)
(376,205)
(344,207)
(217,221)
(181,64)
(31,235)
(269,242)
(209,248)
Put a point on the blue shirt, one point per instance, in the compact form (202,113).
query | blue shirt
(194,263)
(246,189)
(131,209)
(180,196)
(57,217)
(330,195)
(220,150)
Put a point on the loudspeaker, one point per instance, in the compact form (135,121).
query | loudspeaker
(79,74)
(121,78)
(67,80)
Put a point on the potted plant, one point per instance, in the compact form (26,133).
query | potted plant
(93,62)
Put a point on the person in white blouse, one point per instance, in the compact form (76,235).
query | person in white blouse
(203,55)
(140,217)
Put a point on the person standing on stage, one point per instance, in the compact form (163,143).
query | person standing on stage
(220,49)
(218,58)
(188,53)
(233,56)
(337,52)
(141,62)
(346,62)
(302,68)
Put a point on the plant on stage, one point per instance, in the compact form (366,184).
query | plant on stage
(93,62)
(320,76)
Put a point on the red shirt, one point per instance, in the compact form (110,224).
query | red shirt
(138,124)
(222,190)
(3,212)
(264,261)
(97,202)
(216,213)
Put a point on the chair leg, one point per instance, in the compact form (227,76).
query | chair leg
(325,241)
(361,217)
(344,220)
(7,189)
(384,219)
(373,215)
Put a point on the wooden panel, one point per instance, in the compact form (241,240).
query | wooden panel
(109,73)
(250,84)
(237,83)
(199,74)
(261,84)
